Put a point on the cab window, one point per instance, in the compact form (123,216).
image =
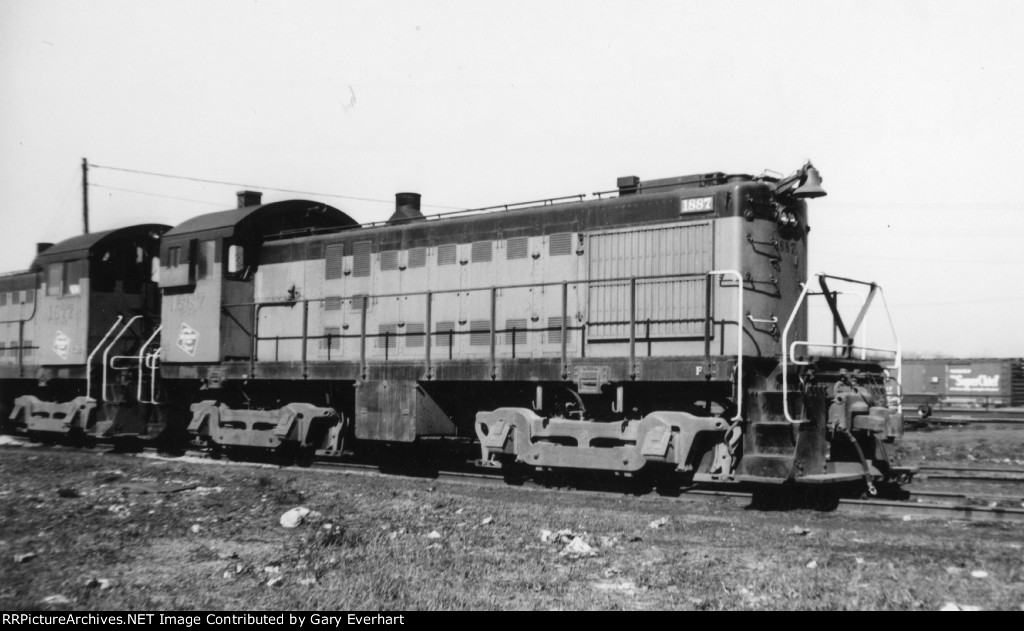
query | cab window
(54,278)
(64,279)
(206,258)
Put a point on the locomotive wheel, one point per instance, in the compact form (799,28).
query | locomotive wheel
(305,456)
(773,499)
(127,445)
(823,500)
(81,439)
(45,438)
(669,487)
(293,454)
(216,451)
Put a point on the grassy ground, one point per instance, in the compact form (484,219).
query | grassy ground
(988,445)
(209,537)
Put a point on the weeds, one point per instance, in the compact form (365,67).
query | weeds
(369,548)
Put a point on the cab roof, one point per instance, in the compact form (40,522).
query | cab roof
(264,219)
(83,245)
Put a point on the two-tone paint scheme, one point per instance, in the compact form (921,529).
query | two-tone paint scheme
(608,333)
(85,307)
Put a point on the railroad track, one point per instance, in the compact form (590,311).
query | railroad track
(971,473)
(968,417)
(959,497)
(944,505)
(963,512)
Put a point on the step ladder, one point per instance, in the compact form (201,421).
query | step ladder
(146,362)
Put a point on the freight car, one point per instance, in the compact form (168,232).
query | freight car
(953,383)
(75,329)
(660,327)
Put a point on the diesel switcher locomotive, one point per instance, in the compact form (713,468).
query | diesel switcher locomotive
(659,328)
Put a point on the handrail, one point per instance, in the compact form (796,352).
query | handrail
(863,354)
(632,328)
(460,334)
(153,362)
(864,349)
(512,206)
(588,281)
(142,361)
(259,306)
(138,361)
(787,349)
(864,337)
(35,301)
(106,354)
(739,338)
(563,328)
(363,368)
(88,361)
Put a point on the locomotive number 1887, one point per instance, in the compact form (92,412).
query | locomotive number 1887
(697,205)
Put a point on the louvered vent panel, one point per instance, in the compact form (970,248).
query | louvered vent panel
(361,259)
(482,251)
(446,254)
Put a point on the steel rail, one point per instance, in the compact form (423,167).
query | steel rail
(903,508)
(907,510)
(935,467)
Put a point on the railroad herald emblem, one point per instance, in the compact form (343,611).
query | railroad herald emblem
(61,344)
(188,339)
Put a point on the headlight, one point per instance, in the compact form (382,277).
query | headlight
(788,220)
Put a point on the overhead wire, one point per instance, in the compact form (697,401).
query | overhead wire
(129,190)
(922,235)
(939,303)
(841,254)
(959,302)
(927,205)
(259,186)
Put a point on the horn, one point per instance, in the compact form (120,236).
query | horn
(811,186)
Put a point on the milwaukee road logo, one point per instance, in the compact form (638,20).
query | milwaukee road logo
(188,339)
(61,344)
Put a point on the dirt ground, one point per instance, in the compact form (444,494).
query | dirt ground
(90,530)
(992,444)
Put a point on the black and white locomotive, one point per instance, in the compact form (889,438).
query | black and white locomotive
(658,328)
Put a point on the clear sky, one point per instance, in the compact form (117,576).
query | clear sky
(912,111)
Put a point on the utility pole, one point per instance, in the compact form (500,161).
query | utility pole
(85,194)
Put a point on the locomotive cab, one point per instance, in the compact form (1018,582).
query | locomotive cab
(207,266)
(208,273)
(95,307)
